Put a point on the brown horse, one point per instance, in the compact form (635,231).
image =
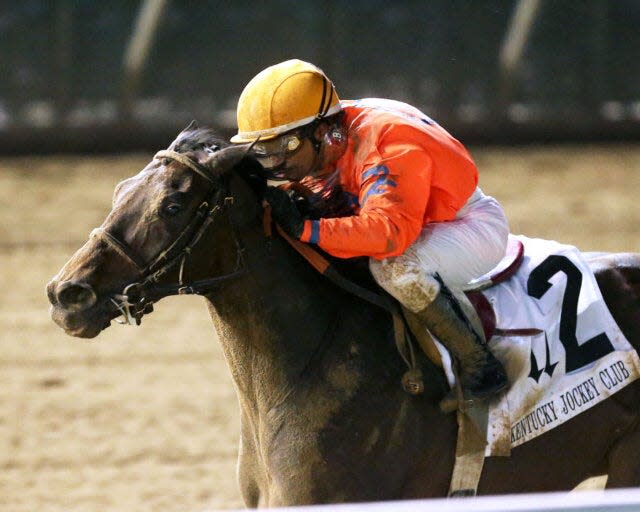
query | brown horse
(324,417)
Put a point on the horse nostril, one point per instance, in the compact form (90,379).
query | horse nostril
(75,296)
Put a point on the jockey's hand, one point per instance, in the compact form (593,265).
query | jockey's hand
(284,211)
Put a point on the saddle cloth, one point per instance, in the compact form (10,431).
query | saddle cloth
(577,358)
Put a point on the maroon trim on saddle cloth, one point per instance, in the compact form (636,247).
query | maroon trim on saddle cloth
(505,269)
(485,312)
(515,253)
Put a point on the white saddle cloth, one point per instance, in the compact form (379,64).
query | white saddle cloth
(580,358)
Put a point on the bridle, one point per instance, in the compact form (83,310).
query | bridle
(137,298)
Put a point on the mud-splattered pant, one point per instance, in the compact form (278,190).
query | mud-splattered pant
(459,251)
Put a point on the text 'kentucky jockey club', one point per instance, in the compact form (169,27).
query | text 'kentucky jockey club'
(575,398)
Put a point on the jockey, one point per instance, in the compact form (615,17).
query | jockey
(414,207)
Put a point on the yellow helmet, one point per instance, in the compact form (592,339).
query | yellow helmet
(283,97)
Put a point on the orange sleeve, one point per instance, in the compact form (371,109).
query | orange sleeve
(393,196)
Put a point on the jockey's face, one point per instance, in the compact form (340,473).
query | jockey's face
(291,156)
(272,153)
(304,162)
(298,154)
(317,155)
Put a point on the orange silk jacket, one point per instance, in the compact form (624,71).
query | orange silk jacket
(401,170)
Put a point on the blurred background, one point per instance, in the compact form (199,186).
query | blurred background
(546,94)
(82,75)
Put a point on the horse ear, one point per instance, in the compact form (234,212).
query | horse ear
(225,159)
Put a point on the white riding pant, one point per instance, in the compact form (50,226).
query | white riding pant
(459,251)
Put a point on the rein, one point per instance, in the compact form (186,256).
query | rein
(137,298)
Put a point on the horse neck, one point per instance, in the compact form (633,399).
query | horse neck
(271,321)
(284,328)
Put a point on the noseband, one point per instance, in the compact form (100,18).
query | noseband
(137,298)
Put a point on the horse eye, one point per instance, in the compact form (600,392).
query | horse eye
(172,208)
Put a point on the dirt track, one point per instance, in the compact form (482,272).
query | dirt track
(146,419)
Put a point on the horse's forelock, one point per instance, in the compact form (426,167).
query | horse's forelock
(194,138)
(197,139)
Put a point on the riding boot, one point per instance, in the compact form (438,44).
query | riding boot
(481,374)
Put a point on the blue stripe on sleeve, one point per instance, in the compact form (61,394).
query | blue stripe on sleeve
(315,232)
(381,184)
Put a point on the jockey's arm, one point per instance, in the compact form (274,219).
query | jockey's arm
(393,197)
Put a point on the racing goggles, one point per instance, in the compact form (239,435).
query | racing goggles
(272,153)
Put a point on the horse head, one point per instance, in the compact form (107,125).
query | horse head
(143,249)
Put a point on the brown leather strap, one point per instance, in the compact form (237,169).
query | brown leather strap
(186,161)
(267,220)
(322,265)
(315,259)
(117,246)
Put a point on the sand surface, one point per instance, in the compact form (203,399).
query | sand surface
(146,418)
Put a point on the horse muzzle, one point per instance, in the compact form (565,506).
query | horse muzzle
(74,307)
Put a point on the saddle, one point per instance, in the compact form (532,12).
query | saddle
(502,272)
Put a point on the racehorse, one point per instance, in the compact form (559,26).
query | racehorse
(323,415)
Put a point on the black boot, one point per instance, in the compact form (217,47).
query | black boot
(481,374)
